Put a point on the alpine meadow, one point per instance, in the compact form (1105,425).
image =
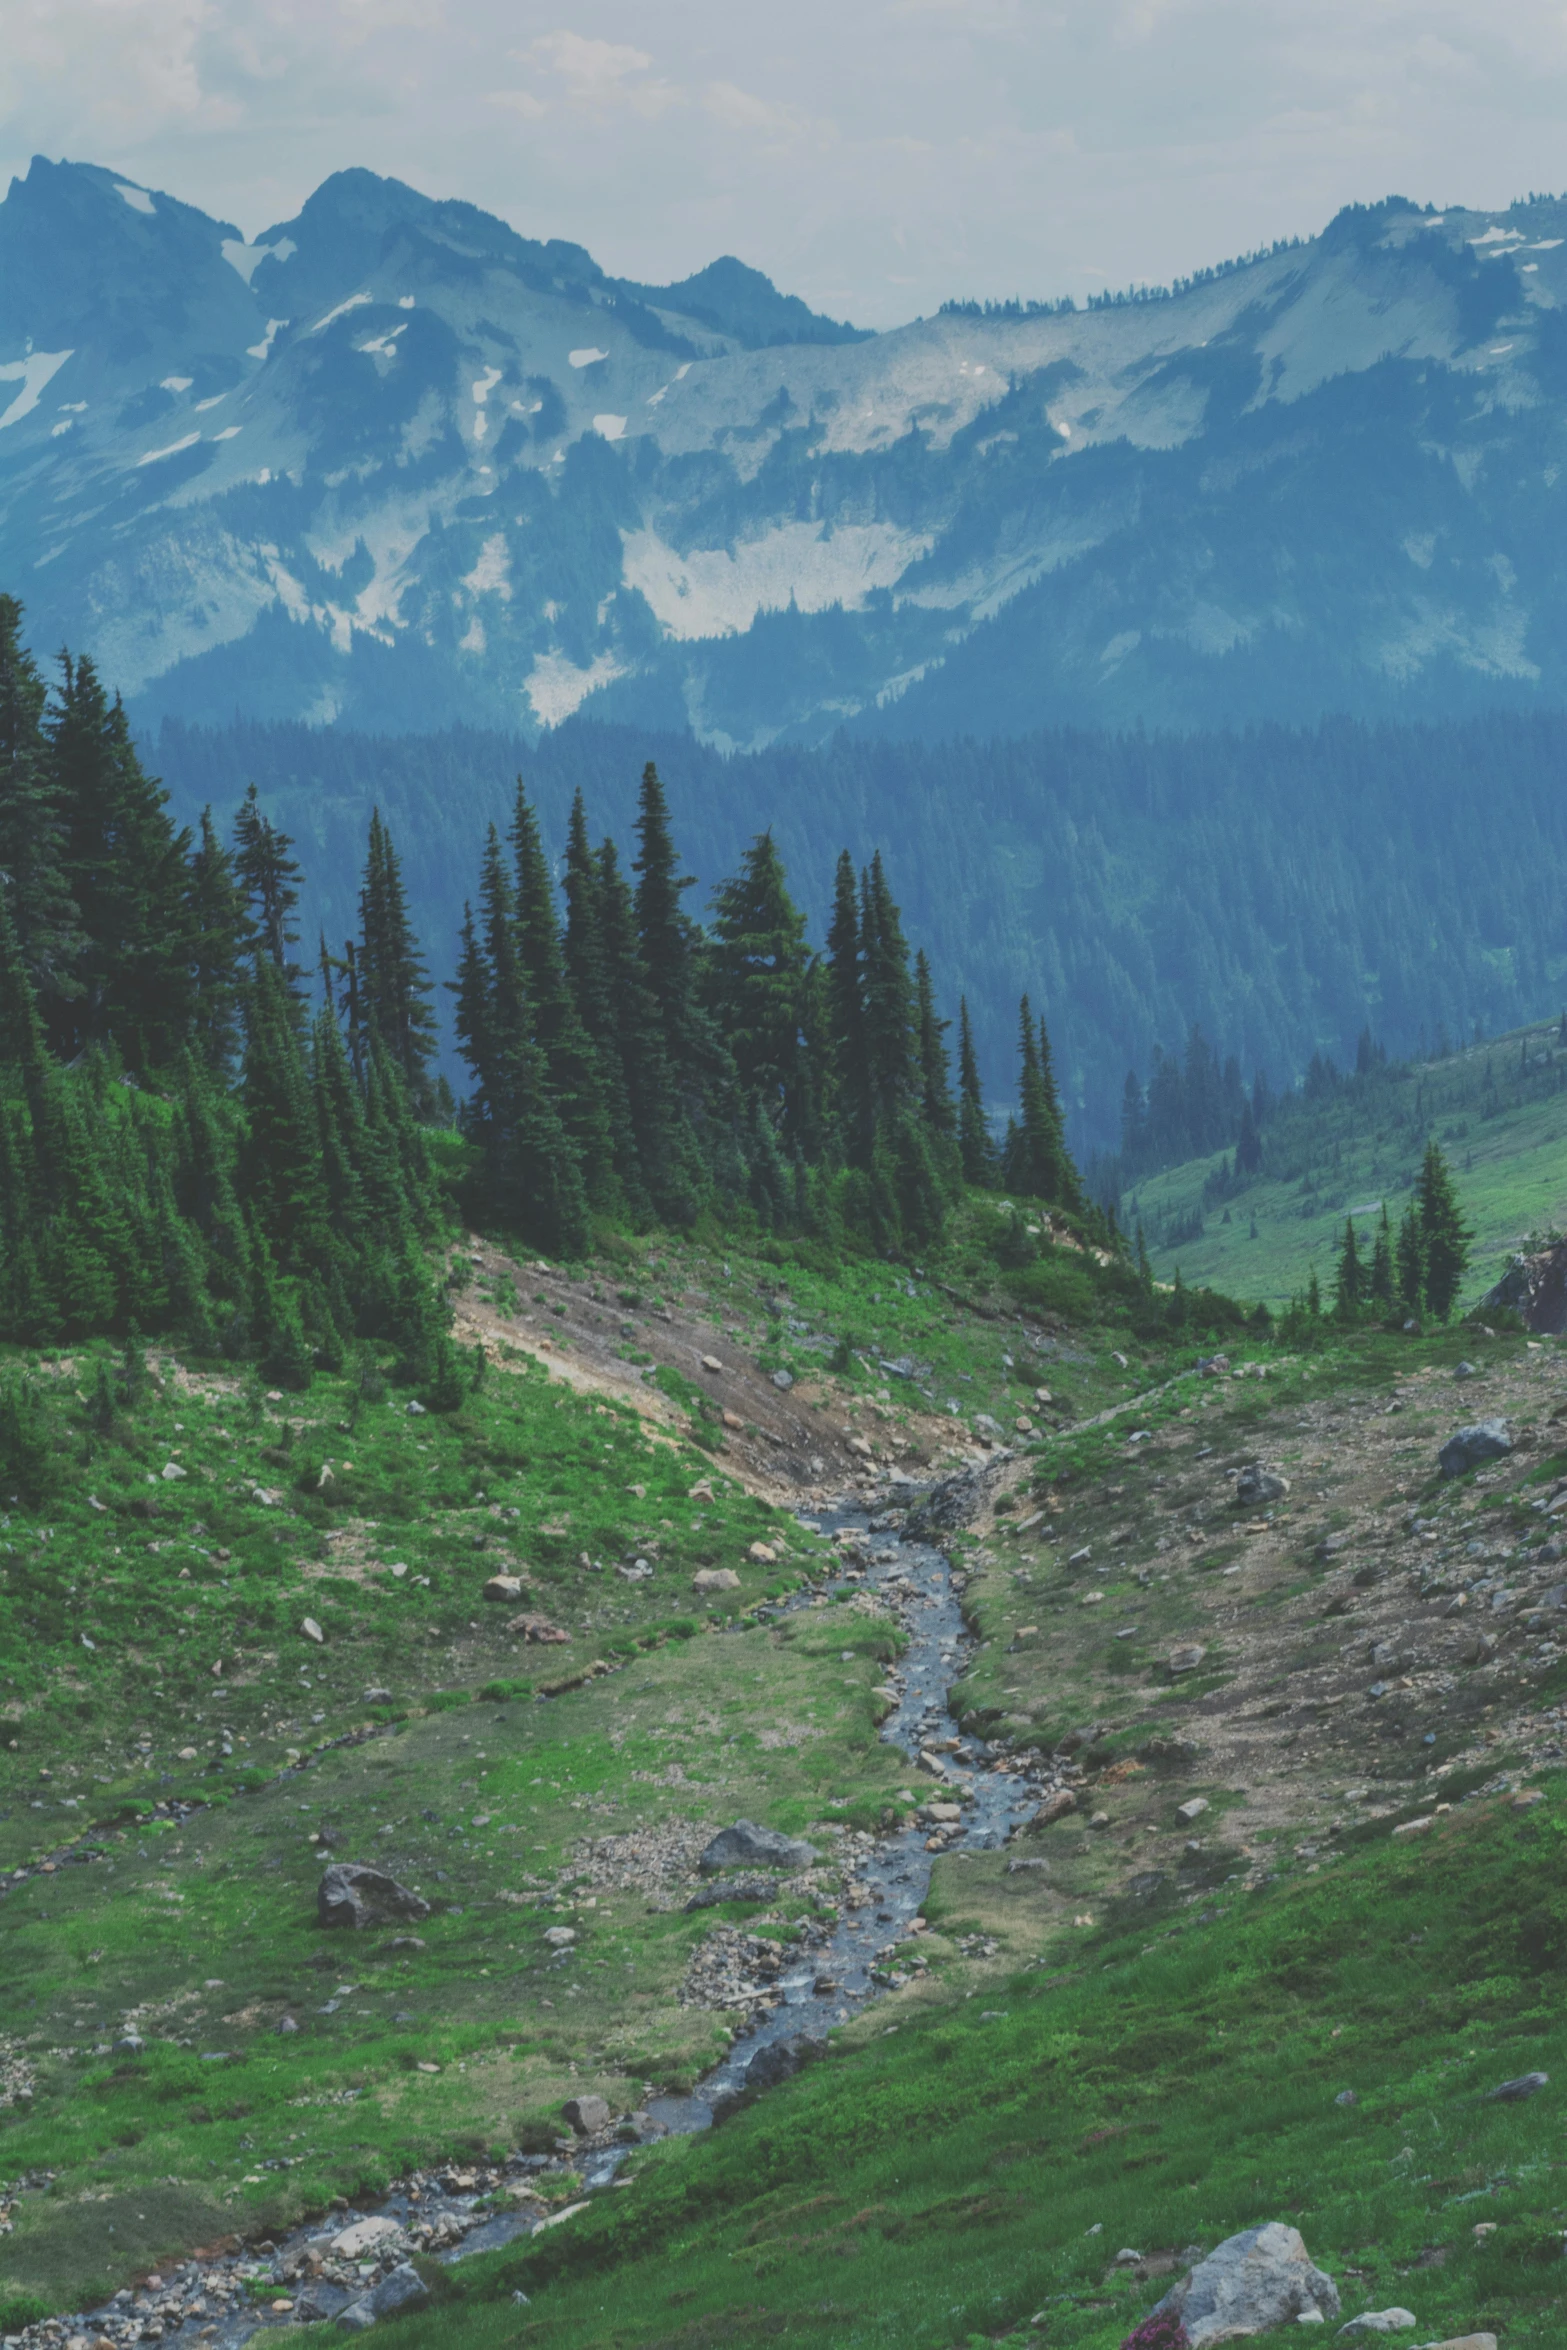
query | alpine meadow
(783,1170)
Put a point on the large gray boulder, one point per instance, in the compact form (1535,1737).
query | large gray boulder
(1262,2278)
(1487,1440)
(746,1846)
(403,2288)
(354,1896)
(1256,1485)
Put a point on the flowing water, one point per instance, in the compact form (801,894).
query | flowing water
(914,1580)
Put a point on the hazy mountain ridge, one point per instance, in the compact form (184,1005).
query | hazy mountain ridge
(396,463)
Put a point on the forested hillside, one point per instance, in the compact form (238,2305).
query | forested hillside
(1281,890)
(199,1134)
(1262,1216)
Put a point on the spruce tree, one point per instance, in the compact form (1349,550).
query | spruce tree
(125,866)
(283,1190)
(217,933)
(887,998)
(1410,1262)
(663,1143)
(1444,1236)
(392,984)
(975,1144)
(558,1028)
(533,1181)
(1379,1286)
(33,881)
(269,879)
(846,1014)
(1349,1280)
(936,1104)
(665,932)
(757,978)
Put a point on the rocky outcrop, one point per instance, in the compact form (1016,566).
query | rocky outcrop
(1534,1287)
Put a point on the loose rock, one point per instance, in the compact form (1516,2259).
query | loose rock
(1380,2321)
(1526,2085)
(1468,1448)
(353,1896)
(588,2115)
(1261,2278)
(746,1845)
(1255,1485)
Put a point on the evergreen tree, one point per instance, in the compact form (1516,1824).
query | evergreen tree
(533,1181)
(757,980)
(1349,1282)
(664,930)
(1248,1144)
(975,1145)
(663,1144)
(1444,1236)
(887,998)
(283,1190)
(269,879)
(558,1028)
(1038,1162)
(124,865)
(845,1014)
(33,881)
(936,1104)
(1379,1287)
(1410,1262)
(392,991)
(217,933)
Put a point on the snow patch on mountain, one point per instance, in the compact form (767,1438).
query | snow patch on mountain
(137,198)
(556,686)
(491,575)
(718,591)
(33,373)
(247,259)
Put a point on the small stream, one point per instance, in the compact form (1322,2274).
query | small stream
(825,1984)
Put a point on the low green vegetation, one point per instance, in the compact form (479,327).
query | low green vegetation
(970,2174)
(1498,1110)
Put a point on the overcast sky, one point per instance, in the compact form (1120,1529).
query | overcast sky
(875,156)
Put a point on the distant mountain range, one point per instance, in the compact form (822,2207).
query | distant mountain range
(395,464)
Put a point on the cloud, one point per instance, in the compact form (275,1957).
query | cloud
(602,75)
(875,158)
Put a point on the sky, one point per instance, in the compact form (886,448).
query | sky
(876,156)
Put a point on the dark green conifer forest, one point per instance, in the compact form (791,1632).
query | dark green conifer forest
(206,1130)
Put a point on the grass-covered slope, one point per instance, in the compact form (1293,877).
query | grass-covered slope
(1499,1109)
(974,2178)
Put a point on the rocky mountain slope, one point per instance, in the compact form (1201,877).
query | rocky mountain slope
(392,460)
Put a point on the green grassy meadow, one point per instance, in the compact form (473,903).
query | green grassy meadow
(1498,1109)
(969,2176)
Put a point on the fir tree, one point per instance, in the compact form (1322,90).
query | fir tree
(558,1028)
(33,881)
(757,975)
(1444,1236)
(887,998)
(1379,1287)
(391,996)
(269,879)
(124,865)
(936,1104)
(1349,1281)
(283,1190)
(975,1145)
(845,1014)
(1410,1262)
(1248,1144)
(217,932)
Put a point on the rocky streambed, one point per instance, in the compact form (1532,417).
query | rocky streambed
(357,2264)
